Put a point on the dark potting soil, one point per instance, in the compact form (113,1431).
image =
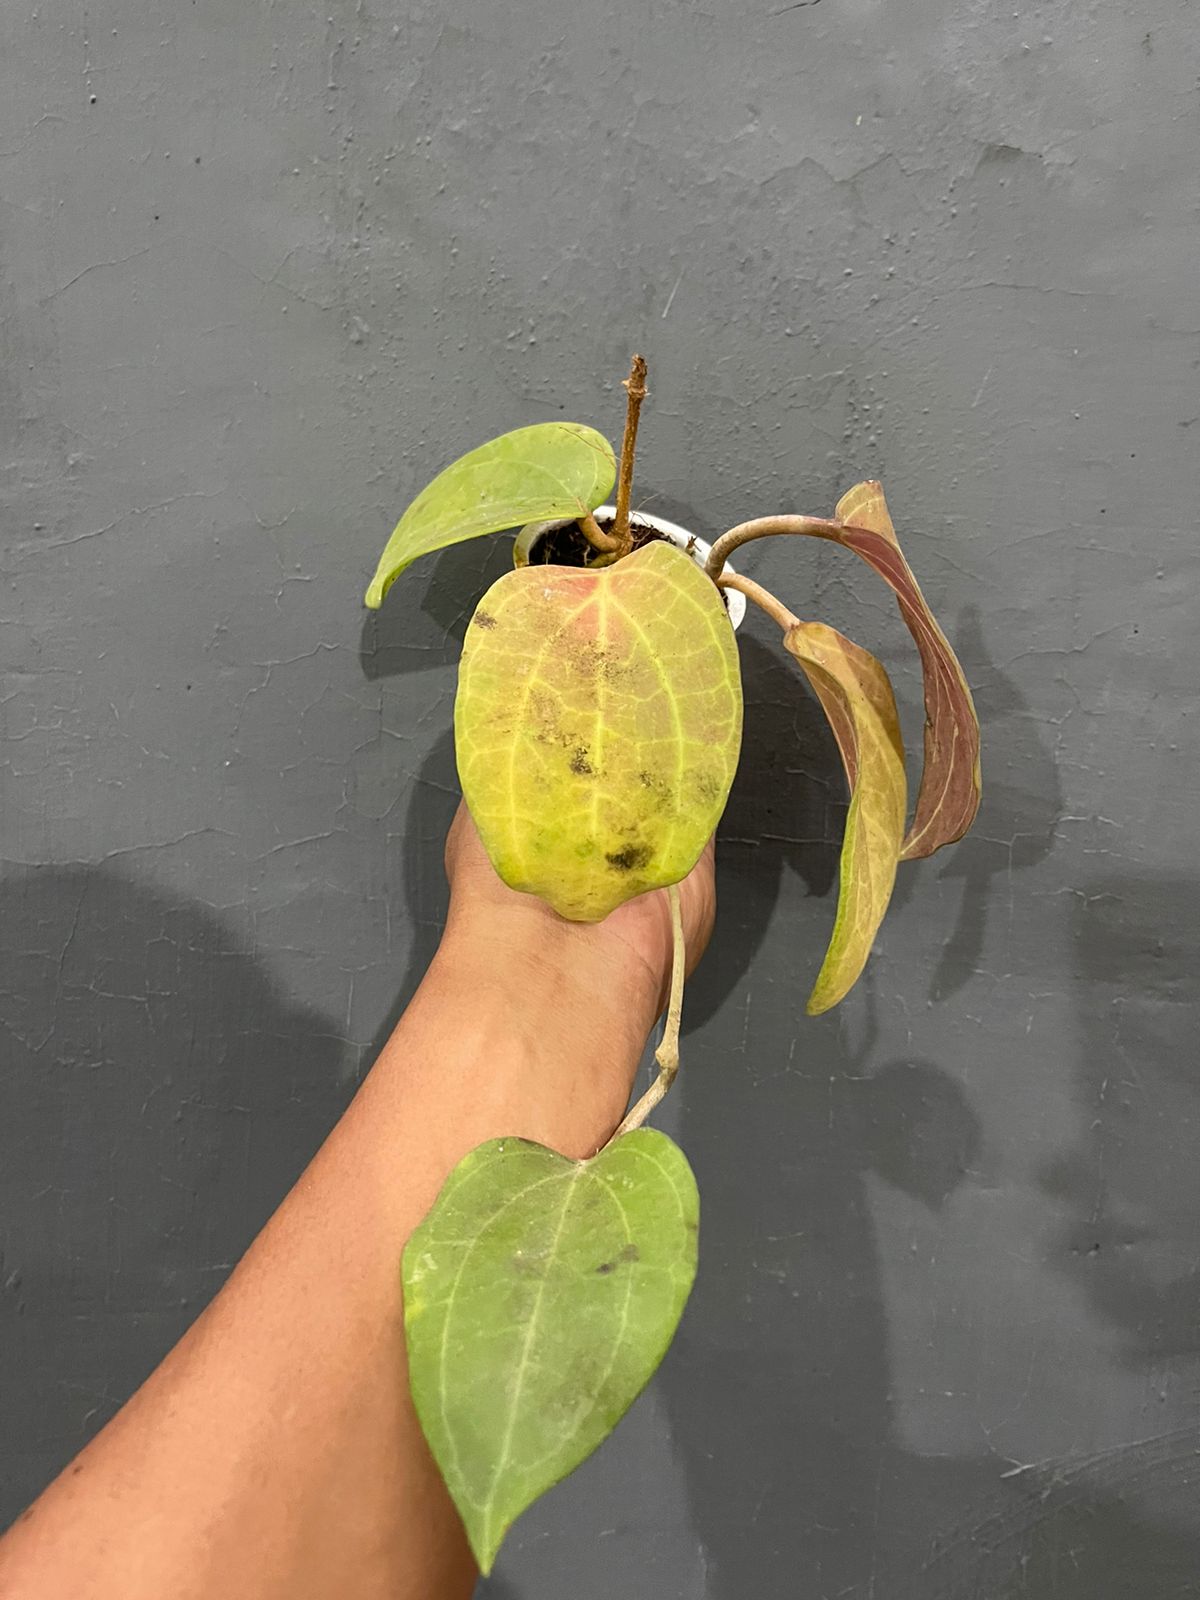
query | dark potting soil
(568,547)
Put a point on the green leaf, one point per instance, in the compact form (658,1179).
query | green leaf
(553,469)
(540,1294)
(854,690)
(597,725)
(950,783)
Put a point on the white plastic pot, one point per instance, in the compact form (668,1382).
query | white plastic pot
(691,545)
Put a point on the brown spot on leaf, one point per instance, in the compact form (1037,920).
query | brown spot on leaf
(485,619)
(593,662)
(544,718)
(629,1252)
(629,859)
(660,786)
(706,785)
(580,765)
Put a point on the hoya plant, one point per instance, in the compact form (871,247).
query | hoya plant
(597,728)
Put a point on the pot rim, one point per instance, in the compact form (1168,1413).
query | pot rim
(682,538)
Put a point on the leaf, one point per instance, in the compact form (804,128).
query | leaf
(856,694)
(540,1294)
(597,726)
(553,469)
(950,783)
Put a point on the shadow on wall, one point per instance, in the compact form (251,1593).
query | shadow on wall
(158,1098)
(1133,1186)
(422,622)
(778,1385)
(787,804)
(433,800)
(1022,802)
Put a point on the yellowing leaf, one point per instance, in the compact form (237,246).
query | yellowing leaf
(950,783)
(597,726)
(539,1296)
(553,469)
(857,697)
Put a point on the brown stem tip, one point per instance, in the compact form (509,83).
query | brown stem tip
(635,387)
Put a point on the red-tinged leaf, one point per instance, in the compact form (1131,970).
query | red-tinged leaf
(854,690)
(950,785)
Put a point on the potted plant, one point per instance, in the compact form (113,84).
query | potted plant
(597,730)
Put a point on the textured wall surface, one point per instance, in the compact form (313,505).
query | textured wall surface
(263,268)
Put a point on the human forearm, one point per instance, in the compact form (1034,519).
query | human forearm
(275,1450)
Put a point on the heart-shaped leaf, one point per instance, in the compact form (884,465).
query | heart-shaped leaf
(597,725)
(950,783)
(540,1294)
(857,696)
(553,469)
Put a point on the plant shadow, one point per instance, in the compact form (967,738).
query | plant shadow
(785,814)
(424,617)
(1022,803)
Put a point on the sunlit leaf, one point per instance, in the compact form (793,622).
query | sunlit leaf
(950,783)
(540,1294)
(597,725)
(553,469)
(857,696)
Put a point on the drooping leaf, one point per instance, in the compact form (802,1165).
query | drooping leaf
(950,783)
(597,726)
(553,469)
(540,1294)
(856,694)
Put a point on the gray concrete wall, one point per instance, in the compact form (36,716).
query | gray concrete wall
(263,268)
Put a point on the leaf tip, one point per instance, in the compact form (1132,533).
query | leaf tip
(378,587)
(484,1547)
(822,999)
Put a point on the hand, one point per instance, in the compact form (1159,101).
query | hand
(631,946)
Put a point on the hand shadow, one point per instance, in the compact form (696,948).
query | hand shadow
(779,1386)
(160,1095)
(1132,1183)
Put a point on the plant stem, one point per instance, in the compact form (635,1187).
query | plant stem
(635,387)
(596,536)
(763,528)
(667,1054)
(774,608)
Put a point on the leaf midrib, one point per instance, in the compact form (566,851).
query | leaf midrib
(530,1338)
(443,1388)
